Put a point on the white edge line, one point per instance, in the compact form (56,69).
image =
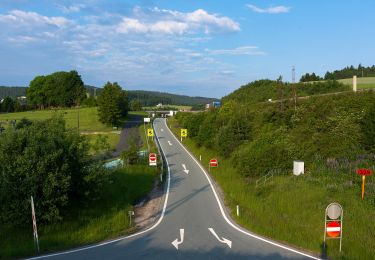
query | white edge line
(225,216)
(121,238)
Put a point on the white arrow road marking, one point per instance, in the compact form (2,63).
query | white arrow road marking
(223,240)
(186,171)
(162,129)
(175,243)
(169,142)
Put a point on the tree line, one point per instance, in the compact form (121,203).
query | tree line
(345,73)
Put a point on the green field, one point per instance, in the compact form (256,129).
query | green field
(112,139)
(88,117)
(368,82)
(101,219)
(291,209)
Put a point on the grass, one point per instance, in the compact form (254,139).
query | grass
(88,117)
(367,82)
(113,140)
(103,219)
(291,209)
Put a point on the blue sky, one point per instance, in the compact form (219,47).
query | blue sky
(198,48)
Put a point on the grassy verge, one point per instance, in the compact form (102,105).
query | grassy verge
(291,209)
(103,219)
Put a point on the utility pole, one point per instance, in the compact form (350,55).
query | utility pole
(294,87)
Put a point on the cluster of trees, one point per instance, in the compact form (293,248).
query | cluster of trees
(12,92)
(45,160)
(259,137)
(112,104)
(345,73)
(12,105)
(60,89)
(310,77)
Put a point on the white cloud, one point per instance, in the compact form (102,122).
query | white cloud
(173,22)
(270,10)
(21,39)
(75,8)
(242,50)
(22,18)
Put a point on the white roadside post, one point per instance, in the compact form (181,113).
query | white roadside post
(131,213)
(35,230)
(354,83)
(238,210)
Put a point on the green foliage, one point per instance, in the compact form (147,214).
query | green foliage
(63,89)
(8,105)
(101,144)
(90,102)
(368,128)
(349,72)
(307,77)
(262,90)
(46,161)
(112,104)
(130,156)
(135,105)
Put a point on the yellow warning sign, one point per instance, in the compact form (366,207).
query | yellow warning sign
(150,132)
(183,132)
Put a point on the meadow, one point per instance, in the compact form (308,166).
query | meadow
(367,82)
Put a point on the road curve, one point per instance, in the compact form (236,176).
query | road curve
(193,224)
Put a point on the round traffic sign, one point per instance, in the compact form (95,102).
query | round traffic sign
(334,210)
(333,229)
(213,162)
(152,157)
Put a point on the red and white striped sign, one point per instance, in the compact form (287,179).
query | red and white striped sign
(333,229)
(152,159)
(214,163)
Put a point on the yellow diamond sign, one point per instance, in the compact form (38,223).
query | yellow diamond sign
(183,132)
(150,132)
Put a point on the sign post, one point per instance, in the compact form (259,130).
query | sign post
(183,133)
(152,159)
(364,173)
(35,230)
(333,222)
(146,120)
(213,163)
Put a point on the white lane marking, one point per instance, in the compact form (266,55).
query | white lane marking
(175,242)
(169,142)
(223,240)
(225,216)
(123,238)
(186,171)
(162,129)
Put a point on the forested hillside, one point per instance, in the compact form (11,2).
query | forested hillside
(146,98)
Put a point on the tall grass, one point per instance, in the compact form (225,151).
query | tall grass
(291,209)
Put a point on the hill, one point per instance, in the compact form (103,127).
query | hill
(146,98)
(334,135)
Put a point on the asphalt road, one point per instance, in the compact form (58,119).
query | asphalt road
(193,224)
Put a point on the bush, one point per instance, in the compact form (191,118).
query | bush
(45,161)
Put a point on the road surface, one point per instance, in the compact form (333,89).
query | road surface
(193,224)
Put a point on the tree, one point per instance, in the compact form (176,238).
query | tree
(8,105)
(368,128)
(48,162)
(135,105)
(64,89)
(112,104)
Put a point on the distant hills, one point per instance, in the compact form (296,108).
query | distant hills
(146,98)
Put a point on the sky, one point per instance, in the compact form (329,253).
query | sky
(196,47)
